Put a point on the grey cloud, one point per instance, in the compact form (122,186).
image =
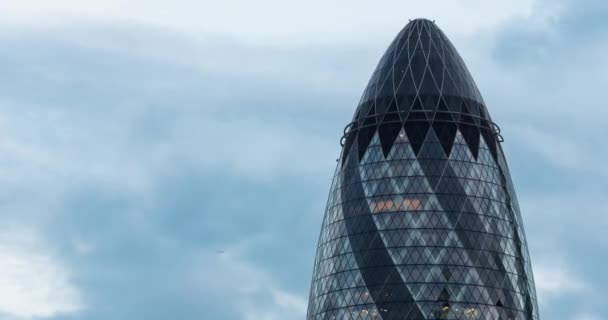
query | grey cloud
(129,146)
(135,166)
(548,91)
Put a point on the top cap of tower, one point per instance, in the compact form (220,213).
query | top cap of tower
(423,20)
(421,62)
(420,82)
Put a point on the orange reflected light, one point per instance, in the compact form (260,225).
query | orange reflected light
(390,206)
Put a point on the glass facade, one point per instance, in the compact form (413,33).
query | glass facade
(422,221)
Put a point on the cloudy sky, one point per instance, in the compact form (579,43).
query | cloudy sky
(171,160)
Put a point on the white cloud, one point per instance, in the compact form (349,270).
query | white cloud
(283,306)
(278,21)
(587,316)
(33,283)
(256,149)
(555,279)
(254,293)
(564,150)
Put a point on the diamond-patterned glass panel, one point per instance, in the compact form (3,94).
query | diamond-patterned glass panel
(422,221)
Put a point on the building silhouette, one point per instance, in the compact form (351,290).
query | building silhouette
(422,221)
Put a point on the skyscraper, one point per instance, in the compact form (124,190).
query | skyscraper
(422,221)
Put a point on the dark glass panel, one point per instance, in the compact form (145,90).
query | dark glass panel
(387,134)
(364,138)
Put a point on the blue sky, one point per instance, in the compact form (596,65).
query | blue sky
(172,160)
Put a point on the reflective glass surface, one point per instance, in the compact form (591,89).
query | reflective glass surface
(422,221)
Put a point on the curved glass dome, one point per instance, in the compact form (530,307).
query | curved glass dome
(422,221)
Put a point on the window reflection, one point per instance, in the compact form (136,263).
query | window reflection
(472,313)
(412,204)
(393,205)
